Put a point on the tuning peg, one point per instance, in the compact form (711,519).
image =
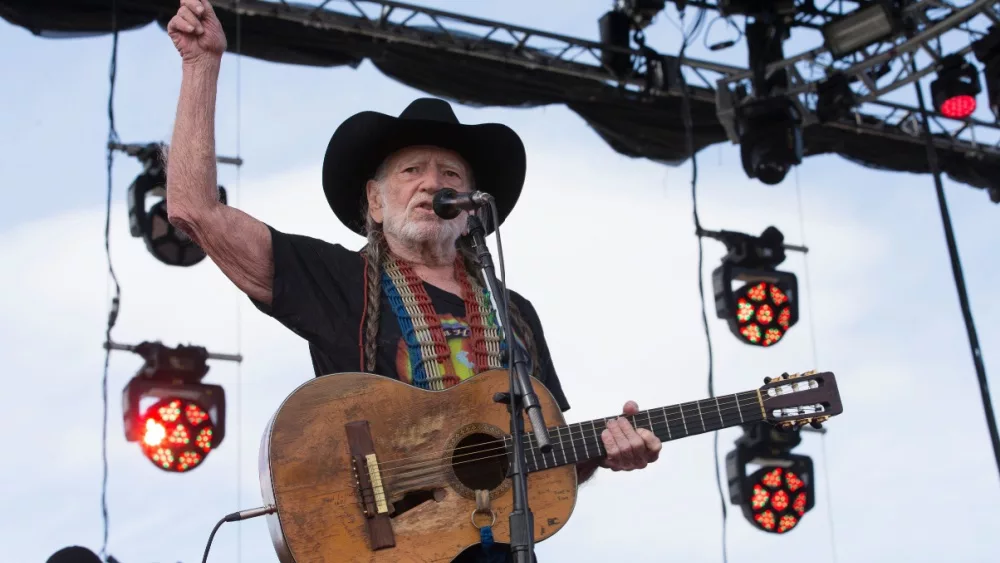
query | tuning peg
(816,424)
(810,372)
(779,378)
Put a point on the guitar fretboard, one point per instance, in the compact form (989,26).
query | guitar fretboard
(582,441)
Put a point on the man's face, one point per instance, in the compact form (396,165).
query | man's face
(402,201)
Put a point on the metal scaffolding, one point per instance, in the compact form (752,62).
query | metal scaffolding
(877,72)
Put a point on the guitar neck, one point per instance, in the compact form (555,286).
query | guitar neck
(575,443)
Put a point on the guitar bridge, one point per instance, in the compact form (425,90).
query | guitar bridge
(368,479)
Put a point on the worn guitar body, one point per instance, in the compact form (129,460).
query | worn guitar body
(362,468)
(309,474)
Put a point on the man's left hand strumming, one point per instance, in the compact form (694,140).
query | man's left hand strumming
(628,448)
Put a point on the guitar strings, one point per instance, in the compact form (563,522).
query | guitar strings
(429,475)
(661,422)
(665,420)
(389,468)
(393,464)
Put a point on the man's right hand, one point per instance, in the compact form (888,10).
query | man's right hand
(196,32)
(239,244)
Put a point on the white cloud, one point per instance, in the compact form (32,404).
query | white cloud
(609,264)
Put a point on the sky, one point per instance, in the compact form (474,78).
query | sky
(601,244)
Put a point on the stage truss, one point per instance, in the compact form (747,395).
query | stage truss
(880,73)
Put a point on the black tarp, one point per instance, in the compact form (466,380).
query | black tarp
(632,124)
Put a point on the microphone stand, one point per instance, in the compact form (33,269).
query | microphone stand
(520,399)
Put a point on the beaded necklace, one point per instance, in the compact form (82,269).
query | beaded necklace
(430,356)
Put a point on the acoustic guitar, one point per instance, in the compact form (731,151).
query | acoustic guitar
(364,468)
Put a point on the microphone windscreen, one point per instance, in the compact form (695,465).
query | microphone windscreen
(444,204)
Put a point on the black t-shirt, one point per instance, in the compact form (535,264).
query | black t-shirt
(318,293)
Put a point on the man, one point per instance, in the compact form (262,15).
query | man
(410,304)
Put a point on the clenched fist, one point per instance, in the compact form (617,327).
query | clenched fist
(196,32)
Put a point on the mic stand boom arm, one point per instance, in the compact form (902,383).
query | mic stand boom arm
(521,398)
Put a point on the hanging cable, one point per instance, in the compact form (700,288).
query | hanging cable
(116,301)
(956,270)
(689,140)
(239,300)
(815,363)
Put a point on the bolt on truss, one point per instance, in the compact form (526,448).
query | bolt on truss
(878,72)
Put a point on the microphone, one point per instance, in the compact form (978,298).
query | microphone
(448,203)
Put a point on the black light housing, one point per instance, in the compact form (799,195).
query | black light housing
(186,420)
(869,24)
(615,29)
(165,242)
(765,307)
(955,89)
(775,496)
(770,138)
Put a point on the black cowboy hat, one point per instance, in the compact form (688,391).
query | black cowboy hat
(494,152)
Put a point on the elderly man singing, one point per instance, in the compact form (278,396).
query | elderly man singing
(380,174)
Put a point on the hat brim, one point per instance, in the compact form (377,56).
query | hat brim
(494,152)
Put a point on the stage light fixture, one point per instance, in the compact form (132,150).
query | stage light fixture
(615,29)
(765,307)
(870,24)
(177,420)
(165,242)
(955,89)
(776,496)
(770,138)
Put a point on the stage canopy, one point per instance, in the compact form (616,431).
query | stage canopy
(631,122)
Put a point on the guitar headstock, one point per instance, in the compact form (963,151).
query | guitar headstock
(794,400)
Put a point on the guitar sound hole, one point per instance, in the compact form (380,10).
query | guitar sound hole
(480,461)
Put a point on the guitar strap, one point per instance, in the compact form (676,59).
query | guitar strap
(429,353)
(486,532)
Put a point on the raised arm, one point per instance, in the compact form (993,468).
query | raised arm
(238,244)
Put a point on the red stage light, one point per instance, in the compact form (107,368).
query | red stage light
(756,306)
(955,89)
(177,434)
(765,305)
(958,107)
(187,418)
(771,501)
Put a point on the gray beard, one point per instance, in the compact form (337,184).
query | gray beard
(436,237)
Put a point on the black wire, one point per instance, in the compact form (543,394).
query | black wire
(204,558)
(503,274)
(508,328)
(956,270)
(689,140)
(113,312)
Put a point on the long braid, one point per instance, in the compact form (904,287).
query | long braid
(374,252)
